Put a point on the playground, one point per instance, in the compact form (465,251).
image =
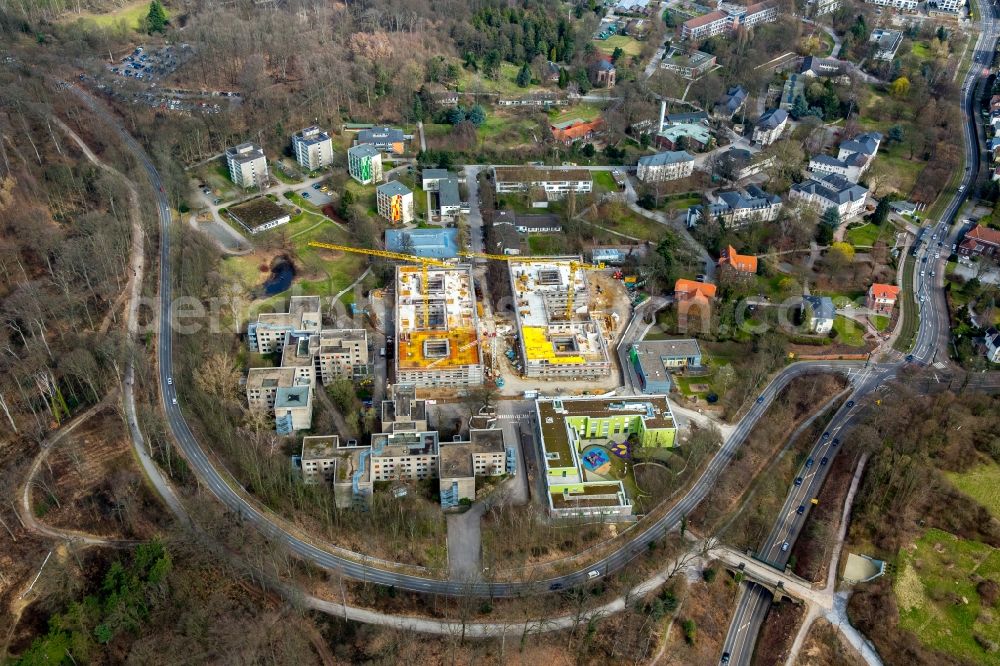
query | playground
(595,459)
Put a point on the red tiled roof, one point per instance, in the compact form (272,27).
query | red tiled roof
(984,235)
(704,289)
(577,131)
(699,21)
(741,262)
(886,291)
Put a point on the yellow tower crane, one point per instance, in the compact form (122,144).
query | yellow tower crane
(398,256)
(573,266)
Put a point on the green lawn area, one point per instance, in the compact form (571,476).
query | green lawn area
(604,182)
(937,597)
(279,173)
(626,221)
(629,46)
(921,50)
(908,327)
(505,130)
(849,332)
(981,484)
(505,83)
(581,111)
(216,176)
(880,322)
(866,235)
(131,14)
(545,244)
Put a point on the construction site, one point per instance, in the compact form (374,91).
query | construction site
(558,334)
(437,331)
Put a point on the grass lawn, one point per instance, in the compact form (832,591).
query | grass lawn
(546,244)
(880,322)
(849,332)
(503,130)
(505,83)
(604,181)
(866,235)
(626,221)
(629,46)
(216,176)
(131,14)
(981,484)
(921,50)
(937,596)
(581,111)
(908,327)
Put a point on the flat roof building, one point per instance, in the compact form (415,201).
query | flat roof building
(430,243)
(313,148)
(364,163)
(654,360)
(394,202)
(387,139)
(577,438)
(556,340)
(555,182)
(268,333)
(259,214)
(247,165)
(437,337)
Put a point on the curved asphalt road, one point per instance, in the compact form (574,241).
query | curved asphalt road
(932,336)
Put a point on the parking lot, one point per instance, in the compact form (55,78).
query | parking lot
(316,196)
(152,65)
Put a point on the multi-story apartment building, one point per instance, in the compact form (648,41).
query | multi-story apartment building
(364,163)
(328,355)
(556,182)
(945,6)
(557,338)
(738,208)
(831,191)
(726,19)
(268,334)
(980,241)
(320,458)
(902,5)
(446,201)
(437,331)
(577,433)
(394,202)
(281,393)
(313,148)
(689,63)
(247,165)
(669,165)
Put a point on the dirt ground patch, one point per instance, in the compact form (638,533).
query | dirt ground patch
(709,606)
(823,647)
(777,634)
(90,483)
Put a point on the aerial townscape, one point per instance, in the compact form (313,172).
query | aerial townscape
(597,332)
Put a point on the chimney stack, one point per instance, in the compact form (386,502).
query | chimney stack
(663,113)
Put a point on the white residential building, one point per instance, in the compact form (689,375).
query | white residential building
(556,182)
(902,5)
(313,148)
(394,202)
(669,165)
(831,191)
(364,163)
(770,127)
(247,165)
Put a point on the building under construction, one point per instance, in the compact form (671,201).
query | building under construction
(557,336)
(437,335)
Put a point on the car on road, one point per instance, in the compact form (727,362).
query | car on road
(725,658)
(798,481)
(922,273)
(850,403)
(555,586)
(826,435)
(809,463)
(801,509)
(760,400)
(174,401)
(824,460)
(170,381)
(591,575)
(316,186)
(784,547)
(909,358)
(835,442)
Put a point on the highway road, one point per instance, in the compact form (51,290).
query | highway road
(932,338)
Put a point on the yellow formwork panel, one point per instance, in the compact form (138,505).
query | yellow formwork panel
(539,348)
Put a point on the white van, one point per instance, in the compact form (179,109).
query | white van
(596,573)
